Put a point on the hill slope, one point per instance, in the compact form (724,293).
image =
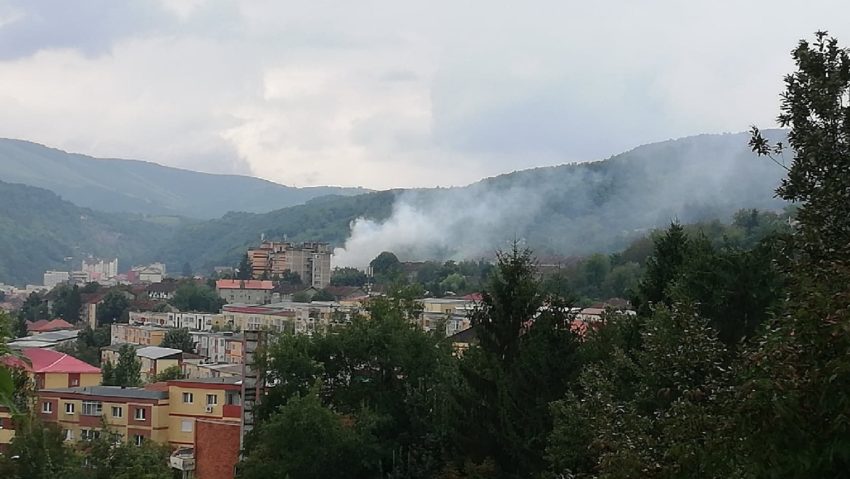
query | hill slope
(41,231)
(143,187)
(568,209)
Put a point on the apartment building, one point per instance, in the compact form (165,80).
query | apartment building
(311,261)
(300,318)
(138,414)
(189,320)
(251,291)
(220,347)
(144,335)
(153,359)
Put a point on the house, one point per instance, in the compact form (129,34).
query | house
(153,359)
(250,291)
(346,293)
(162,291)
(45,340)
(47,369)
(152,273)
(45,326)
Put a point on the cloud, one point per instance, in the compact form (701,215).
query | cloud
(389,94)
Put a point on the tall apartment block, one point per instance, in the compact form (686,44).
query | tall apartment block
(310,260)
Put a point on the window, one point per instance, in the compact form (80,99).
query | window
(233,398)
(69,434)
(117,411)
(140,414)
(186,425)
(212,399)
(47,407)
(92,408)
(89,434)
(138,439)
(69,408)
(188,398)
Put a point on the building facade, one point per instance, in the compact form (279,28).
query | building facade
(311,261)
(55,278)
(252,291)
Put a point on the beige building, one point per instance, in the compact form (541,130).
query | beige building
(311,261)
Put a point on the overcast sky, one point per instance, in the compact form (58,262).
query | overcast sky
(391,93)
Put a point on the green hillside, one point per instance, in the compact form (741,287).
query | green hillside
(144,187)
(40,231)
(570,209)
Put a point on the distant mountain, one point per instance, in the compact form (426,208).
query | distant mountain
(148,188)
(570,209)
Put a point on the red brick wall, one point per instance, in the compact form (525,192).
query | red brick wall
(216,449)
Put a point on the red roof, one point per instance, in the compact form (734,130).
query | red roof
(49,361)
(43,326)
(477,297)
(244,284)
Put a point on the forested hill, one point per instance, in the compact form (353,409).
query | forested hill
(570,209)
(144,187)
(40,231)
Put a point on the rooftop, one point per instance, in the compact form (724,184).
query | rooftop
(157,352)
(112,391)
(244,284)
(40,360)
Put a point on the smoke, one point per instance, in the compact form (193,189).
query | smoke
(572,209)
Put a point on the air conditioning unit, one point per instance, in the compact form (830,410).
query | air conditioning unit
(210,408)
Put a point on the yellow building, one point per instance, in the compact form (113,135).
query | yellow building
(122,333)
(47,369)
(82,412)
(193,399)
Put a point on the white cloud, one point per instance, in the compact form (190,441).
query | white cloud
(385,94)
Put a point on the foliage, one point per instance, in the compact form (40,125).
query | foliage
(109,456)
(191,296)
(386,267)
(87,346)
(114,308)
(178,338)
(382,375)
(67,303)
(38,451)
(348,276)
(306,439)
(169,374)
(289,277)
(526,358)
(127,371)
(244,270)
(323,295)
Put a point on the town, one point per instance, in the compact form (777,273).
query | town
(190,342)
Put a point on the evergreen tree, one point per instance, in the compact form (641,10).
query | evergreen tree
(128,370)
(245,270)
(108,374)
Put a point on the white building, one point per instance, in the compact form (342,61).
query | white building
(54,278)
(100,269)
(152,273)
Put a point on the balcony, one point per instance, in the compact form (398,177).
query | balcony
(183,459)
(232,410)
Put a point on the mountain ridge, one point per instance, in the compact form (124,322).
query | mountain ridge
(146,187)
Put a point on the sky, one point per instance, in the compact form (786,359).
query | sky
(387,94)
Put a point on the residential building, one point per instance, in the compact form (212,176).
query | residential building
(79,278)
(143,335)
(98,269)
(47,369)
(161,291)
(245,291)
(152,273)
(55,278)
(301,318)
(216,450)
(138,414)
(218,347)
(189,320)
(45,340)
(193,399)
(153,359)
(45,326)
(202,369)
(311,261)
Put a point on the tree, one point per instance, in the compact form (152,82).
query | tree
(307,440)
(109,456)
(38,451)
(107,374)
(386,267)
(191,296)
(178,338)
(290,277)
(323,295)
(527,357)
(128,370)
(798,382)
(348,276)
(169,374)
(670,251)
(68,303)
(245,270)
(113,308)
